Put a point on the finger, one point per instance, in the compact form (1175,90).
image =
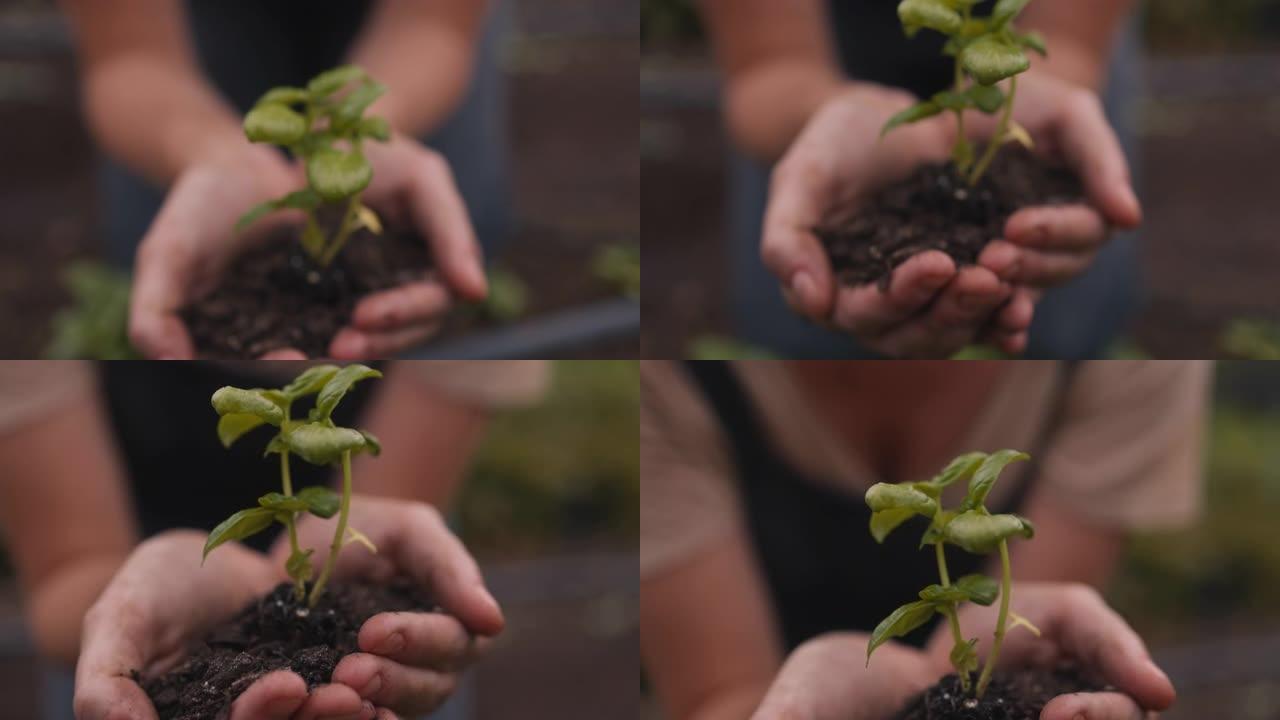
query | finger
(868,311)
(424,640)
(1091,148)
(1097,636)
(441,215)
(415,303)
(405,689)
(284,354)
(1011,343)
(102,697)
(156,332)
(352,344)
(1017,314)
(437,560)
(1065,228)
(113,646)
(276,696)
(1092,706)
(968,300)
(333,702)
(1001,257)
(1049,269)
(788,246)
(385,714)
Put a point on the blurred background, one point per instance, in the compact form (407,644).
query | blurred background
(1207,119)
(1207,599)
(550,511)
(565,284)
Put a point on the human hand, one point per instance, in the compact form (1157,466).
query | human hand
(158,602)
(828,678)
(1048,246)
(1075,624)
(410,662)
(931,308)
(413,186)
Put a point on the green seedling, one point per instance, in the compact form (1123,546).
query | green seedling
(324,126)
(973,529)
(316,440)
(987,51)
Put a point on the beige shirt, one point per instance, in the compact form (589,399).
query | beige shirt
(1124,452)
(31,389)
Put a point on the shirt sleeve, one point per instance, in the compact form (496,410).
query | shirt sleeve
(30,389)
(686,497)
(1128,449)
(487,383)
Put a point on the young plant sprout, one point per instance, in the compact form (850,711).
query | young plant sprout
(316,440)
(322,124)
(970,527)
(987,50)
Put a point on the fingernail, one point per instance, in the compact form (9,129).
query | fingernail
(372,687)
(394,643)
(368,710)
(803,287)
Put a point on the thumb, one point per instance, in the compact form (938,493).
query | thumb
(789,247)
(102,697)
(105,689)
(1091,147)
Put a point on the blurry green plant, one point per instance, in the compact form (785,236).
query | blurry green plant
(718,347)
(323,124)
(96,323)
(970,527)
(619,265)
(668,21)
(508,298)
(987,50)
(1252,339)
(316,440)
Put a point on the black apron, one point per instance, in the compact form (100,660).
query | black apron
(165,430)
(872,46)
(823,569)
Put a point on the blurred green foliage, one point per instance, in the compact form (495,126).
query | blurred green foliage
(1252,339)
(562,473)
(718,347)
(668,22)
(508,298)
(1227,567)
(618,264)
(96,323)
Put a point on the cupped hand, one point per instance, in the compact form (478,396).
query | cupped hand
(191,241)
(1076,625)
(931,308)
(162,599)
(413,187)
(828,678)
(410,662)
(1051,245)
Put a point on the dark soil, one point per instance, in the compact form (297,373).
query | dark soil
(275,297)
(1018,696)
(275,633)
(935,209)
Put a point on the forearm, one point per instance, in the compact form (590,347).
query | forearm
(730,704)
(56,608)
(1079,35)
(424,54)
(766,107)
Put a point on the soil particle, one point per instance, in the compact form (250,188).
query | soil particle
(935,209)
(274,296)
(1019,695)
(274,633)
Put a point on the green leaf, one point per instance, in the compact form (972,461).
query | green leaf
(371,444)
(886,496)
(934,534)
(320,444)
(304,199)
(274,123)
(236,401)
(959,469)
(885,521)
(339,385)
(1034,41)
(282,503)
(309,381)
(1006,10)
(233,425)
(299,565)
(951,100)
(338,175)
(985,476)
(899,623)
(987,98)
(284,96)
(990,60)
(963,656)
(980,533)
(932,14)
(320,501)
(912,114)
(350,108)
(238,527)
(978,588)
(940,595)
(255,214)
(374,127)
(331,81)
